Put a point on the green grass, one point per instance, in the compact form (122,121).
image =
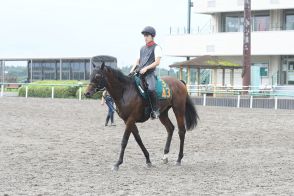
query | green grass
(70,90)
(67,82)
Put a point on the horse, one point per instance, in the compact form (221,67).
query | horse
(131,108)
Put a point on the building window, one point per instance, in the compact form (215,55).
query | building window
(78,70)
(66,70)
(49,72)
(233,22)
(263,68)
(289,21)
(261,23)
(37,71)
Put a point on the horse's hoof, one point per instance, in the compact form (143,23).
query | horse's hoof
(178,163)
(149,165)
(115,168)
(165,160)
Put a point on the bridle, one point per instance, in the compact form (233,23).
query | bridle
(95,90)
(98,87)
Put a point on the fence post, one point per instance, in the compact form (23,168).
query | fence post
(26,91)
(204,99)
(52,92)
(251,101)
(276,102)
(2,90)
(238,101)
(80,93)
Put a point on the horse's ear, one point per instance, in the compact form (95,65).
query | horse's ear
(102,65)
(94,65)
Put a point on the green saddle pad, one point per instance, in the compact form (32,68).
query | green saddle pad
(162,89)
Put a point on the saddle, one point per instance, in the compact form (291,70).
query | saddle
(162,89)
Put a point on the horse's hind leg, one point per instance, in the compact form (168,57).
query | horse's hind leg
(180,116)
(170,130)
(140,143)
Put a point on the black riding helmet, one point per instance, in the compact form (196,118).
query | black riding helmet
(149,30)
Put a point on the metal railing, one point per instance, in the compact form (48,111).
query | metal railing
(27,85)
(266,90)
(235,96)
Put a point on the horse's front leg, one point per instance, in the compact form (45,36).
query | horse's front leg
(124,143)
(140,143)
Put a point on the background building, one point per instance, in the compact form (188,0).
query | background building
(78,68)
(272,38)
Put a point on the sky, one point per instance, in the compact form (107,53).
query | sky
(82,28)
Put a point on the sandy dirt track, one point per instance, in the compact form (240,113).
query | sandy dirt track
(61,147)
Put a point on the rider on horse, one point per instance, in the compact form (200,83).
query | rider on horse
(149,59)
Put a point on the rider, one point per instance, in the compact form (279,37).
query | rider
(149,59)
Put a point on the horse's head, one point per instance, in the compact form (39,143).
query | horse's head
(97,80)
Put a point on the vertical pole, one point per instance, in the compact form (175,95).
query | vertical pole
(70,70)
(251,101)
(224,77)
(247,45)
(214,82)
(3,71)
(189,75)
(80,93)
(31,70)
(204,99)
(90,66)
(52,92)
(238,101)
(60,69)
(2,90)
(198,80)
(26,91)
(189,16)
(276,102)
(85,69)
(55,70)
(190,4)
(1,66)
(42,70)
(28,67)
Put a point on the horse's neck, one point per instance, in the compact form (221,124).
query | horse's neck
(116,89)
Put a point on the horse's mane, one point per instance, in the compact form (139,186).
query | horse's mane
(119,75)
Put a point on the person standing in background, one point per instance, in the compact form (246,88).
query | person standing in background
(110,104)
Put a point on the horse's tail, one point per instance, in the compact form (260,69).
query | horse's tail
(191,115)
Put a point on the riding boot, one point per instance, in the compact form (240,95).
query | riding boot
(155,111)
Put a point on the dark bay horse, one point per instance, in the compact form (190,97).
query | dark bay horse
(131,108)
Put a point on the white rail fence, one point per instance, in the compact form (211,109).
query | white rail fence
(52,86)
(276,97)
